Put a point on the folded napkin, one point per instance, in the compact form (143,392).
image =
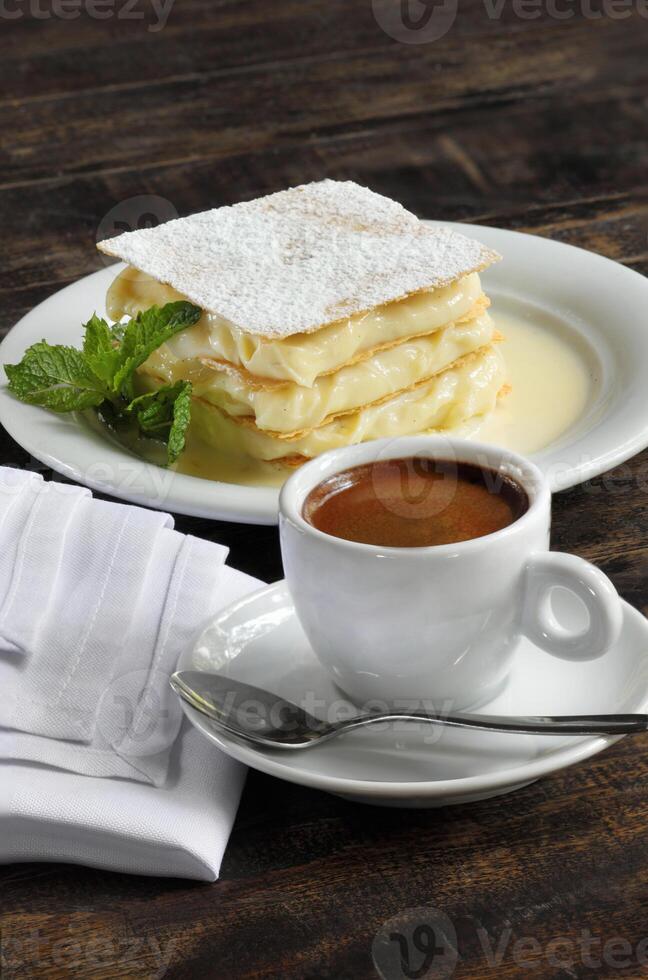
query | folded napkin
(97,601)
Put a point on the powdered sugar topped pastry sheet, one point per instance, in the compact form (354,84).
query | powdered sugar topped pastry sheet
(297,260)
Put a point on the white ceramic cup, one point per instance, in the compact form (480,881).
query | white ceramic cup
(439,623)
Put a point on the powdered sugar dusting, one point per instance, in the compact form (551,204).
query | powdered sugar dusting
(299,259)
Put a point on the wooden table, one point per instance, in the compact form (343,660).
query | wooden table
(532,122)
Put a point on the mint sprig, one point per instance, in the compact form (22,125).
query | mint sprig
(101,375)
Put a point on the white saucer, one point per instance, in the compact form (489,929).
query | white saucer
(595,306)
(258,640)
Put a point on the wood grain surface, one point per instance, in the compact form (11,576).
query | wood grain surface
(536,119)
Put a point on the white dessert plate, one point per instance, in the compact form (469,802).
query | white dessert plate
(259,640)
(593,308)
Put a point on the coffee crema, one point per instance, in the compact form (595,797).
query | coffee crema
(415,502)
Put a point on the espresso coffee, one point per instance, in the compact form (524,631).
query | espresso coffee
(415,502)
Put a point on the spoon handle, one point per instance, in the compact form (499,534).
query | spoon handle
(532,725)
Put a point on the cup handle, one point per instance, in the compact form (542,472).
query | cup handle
(547,570)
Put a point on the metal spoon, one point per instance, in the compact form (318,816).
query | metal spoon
(262,718)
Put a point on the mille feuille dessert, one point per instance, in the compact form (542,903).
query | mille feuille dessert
(331,315)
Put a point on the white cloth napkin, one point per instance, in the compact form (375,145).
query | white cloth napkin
(97,601)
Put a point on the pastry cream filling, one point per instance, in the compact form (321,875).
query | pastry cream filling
(467,389)
(285,407)
(301,357)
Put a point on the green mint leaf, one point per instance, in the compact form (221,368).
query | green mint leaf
(145,333)
(55,377)
(165,414)
(101,349)
(181,419)
(98,337)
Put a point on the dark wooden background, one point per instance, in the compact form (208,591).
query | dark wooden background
(537,123)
